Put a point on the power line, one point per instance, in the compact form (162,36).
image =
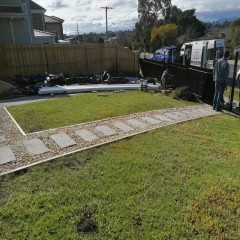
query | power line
(106,10)
(125,16)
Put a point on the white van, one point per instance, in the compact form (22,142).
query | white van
(202,53)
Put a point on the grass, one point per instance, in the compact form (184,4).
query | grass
(227,93)
(177,182)
(87,107)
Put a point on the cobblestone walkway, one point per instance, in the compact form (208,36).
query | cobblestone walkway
(19,150)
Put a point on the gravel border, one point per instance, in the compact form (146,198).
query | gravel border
(15,136)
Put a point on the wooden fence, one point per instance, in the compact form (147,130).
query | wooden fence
(74,59)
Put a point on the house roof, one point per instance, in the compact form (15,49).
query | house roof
(34,6)
(52,19)
(38,33)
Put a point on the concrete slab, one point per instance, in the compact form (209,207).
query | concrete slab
(63,140)
(151,120)
(86,135)
(2,138)
(6,155)
(136,123)
(107,131)
(194,113)
(206,111)
(162,118)
(124,127)
(186,114)
(180,114)
(35,146)
(172,116)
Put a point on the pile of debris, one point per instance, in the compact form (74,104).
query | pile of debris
(30,85)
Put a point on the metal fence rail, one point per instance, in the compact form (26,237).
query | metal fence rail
(200,81)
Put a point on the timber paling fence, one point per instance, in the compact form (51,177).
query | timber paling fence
(74,59)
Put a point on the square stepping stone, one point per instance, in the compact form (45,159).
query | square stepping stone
(124,127)
(35,146)
(180,114)
(2,138)
(107,131)
(162,118)
(86,135)
(6,155)
(186,114)
(194,113)
(63,140)
(171,116)
(151,120)
(137,123)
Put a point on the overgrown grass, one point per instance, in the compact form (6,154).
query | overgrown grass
(87,107)
(177,182)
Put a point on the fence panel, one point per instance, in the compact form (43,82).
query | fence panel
(74,59)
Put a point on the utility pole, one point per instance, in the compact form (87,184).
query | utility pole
(106,9)
(77,33)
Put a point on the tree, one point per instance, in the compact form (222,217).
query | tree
(164,35)
(235,32)
(236,37)
(171,14)
(187,20)
(150,12)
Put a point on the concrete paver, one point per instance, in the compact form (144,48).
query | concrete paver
(172,116)
(6,155)
(137,123)
(107,131)
(63,140)
(151,120)
(2,138)
(162,118)
(35,146)
(122,126)
(86,135)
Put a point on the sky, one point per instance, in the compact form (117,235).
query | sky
(91,17)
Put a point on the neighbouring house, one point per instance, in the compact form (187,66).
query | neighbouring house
(16,22)
(23,22)
(43,37)
(54,24)
(37,16)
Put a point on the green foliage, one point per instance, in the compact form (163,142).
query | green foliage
(149,12)
(188,23)
(86,107)
(234,24)
(177,182)
(172,14)
(236,37)
(165,35)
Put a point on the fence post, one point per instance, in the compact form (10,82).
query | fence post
(233,81)
(46,58)
(117,60)
(88,65)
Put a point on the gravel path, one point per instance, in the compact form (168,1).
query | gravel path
(120,128)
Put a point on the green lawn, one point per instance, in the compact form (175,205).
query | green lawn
(177,182)
(87,107)
(227,93)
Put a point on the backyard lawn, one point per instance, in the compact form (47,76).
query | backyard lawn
(87,107)
(177,182)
